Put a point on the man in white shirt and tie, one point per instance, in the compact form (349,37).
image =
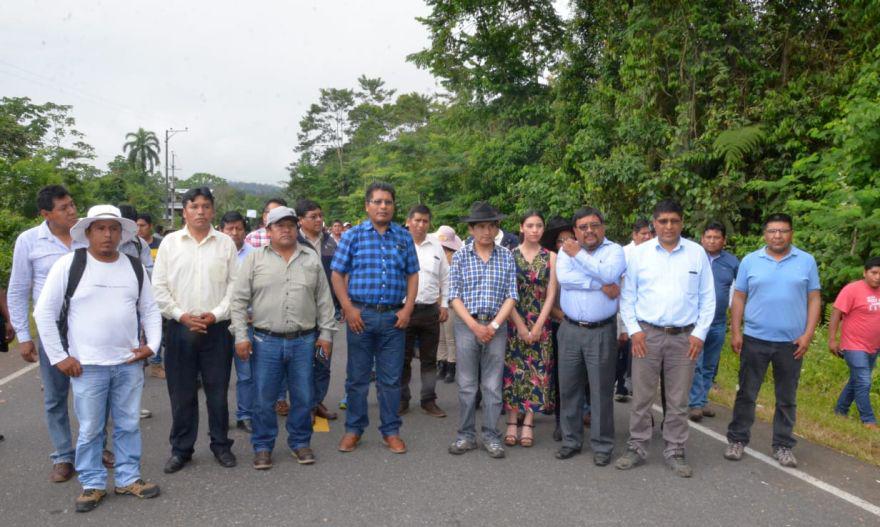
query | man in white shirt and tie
(667,305)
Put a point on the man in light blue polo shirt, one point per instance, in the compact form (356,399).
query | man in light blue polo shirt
(777,291)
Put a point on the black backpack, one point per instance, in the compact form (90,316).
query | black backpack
(77,268)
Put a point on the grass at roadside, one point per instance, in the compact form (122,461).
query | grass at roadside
(822,378)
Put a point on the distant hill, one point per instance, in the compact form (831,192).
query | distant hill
(257,189)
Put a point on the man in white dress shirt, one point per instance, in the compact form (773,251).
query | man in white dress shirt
(431,310)
(194,268)
(667,305)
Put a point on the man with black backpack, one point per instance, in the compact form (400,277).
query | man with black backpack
(89,315)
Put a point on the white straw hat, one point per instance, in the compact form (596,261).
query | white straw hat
(103,212)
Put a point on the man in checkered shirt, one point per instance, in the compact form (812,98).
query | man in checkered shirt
(374,269)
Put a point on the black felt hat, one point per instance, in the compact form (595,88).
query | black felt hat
(556,225)
(482,211)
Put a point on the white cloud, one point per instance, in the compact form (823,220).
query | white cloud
(240,76)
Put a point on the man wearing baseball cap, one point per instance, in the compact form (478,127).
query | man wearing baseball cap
(293,321)
(89,313)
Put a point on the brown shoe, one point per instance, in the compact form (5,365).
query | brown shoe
(708,412)
(303,456)
(282,408)
(587,419)
(349,442)
(695,414)
(61,472)
(157,371)
(108,459)
(323,411)
(394,444)
(139,489)
(263,460)
(89,499)
(432,409)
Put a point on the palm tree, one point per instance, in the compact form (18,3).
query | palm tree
(143,149)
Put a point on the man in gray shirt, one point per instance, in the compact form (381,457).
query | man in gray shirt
(293,321)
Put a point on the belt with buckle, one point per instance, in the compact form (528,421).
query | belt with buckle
(289,335)
(380,308)
(482,317)
(591,325)
(670,330)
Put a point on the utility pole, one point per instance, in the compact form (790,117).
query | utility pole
(174,168)
(169,133)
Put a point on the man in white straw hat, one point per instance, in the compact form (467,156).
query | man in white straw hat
(89,313)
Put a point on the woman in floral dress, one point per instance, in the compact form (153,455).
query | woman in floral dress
(528,366)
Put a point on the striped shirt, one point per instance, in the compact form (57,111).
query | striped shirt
(482,286)
(377,264)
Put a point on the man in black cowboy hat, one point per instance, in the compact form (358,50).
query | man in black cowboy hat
(482,291)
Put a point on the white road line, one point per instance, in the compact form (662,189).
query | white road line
(801,475)
(19,373)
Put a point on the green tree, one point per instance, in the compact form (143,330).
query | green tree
(143,150)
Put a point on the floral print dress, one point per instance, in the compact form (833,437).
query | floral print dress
(528,368)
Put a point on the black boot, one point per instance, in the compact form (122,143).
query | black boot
(441,369)
(450,372)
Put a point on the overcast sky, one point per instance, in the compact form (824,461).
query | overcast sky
(240,75)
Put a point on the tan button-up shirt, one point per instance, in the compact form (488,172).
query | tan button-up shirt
(191,276)
(286,296)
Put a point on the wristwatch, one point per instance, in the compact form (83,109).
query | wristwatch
(494,325)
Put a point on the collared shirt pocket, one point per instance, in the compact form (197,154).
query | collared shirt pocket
(693,283)
(217,271)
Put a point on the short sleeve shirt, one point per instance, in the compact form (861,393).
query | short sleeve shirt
(860,306)
(377,264)
(776,293)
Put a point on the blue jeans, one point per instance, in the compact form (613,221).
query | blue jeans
(245,390)
(483,365)
(274,360)
(381,342)
(120,387)
(56,386)
(707,365)
(858,389)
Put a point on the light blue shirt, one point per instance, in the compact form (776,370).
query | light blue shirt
(669,289)
(245,250)
(582,277)
(776,293)
(36,250)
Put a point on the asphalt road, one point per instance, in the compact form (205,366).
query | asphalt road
(425,486)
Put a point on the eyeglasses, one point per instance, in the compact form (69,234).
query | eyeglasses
(773,232)
(589,226)
(380,202)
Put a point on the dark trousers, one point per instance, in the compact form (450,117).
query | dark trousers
(187,355)
(587,357)
(756,356)
(424,327)
(624,367)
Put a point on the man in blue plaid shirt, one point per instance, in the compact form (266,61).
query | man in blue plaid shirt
(376,278)
(482,291)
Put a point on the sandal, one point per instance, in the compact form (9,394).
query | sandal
(510,439)
(526,441)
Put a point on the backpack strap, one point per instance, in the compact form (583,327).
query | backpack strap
(138,272)
(77,268)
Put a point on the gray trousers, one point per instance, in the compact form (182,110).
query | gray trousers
(587,353)
(482,364)
(666,353)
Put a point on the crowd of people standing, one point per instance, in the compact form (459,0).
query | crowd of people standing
(559,321)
